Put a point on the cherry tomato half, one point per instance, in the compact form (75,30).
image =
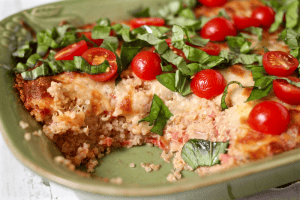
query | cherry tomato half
(269,117)
(72,50)
(265,15)
(178,52)
(150,21)
(279,63)
(208,84)
(213,3)
(96,56)
(217,29)
(242,22)
(286,92)
(146,65)
(89,35)
(211,49)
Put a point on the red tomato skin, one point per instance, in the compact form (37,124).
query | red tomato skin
(286,92)
(90,55)
(150,21)
(279,63)
(68,53)
(208,84)
(213,3)
(211,49)
(217,29)
(178,52)
(245,22)
(146,65)
(269,117)
(89,36)
(265,15)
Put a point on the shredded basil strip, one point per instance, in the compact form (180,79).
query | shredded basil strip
(289,7)
(223,102)
(56,67)
(197,152)
(176,82)
(158,116)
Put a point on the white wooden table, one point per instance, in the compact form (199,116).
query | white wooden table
(19,183)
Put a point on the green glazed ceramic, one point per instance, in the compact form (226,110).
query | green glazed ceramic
(38,153)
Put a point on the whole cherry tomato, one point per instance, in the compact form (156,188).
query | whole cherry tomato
(242,22)
(208,84)
(211,49)
(96,56)
(286,92)
(72,50)
(265,15)
(279,63)
(213,3)
(146,65)
(150,21)
(217,29)
(269,117)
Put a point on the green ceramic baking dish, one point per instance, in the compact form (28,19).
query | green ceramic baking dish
(37,154)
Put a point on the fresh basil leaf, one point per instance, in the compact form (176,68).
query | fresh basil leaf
(189,3)
(187,13)
(21,67)
(266,49)
(83,66)
(195,67)
(194,54)
(170,9)
(182,83)
(150,38)
(178,35)
(42,70)
(140,13)
(297,84)
(110,43)
(24,51)
(32,60)
(158,116)
(167,80)
(129,50)
(103,22)
(167,68)
(204,20)
(256,31)
(70,38)
(290,37)
(197,152)
(247,59)
(100,32)
(238,44)
(186,22)
(292,14)
(257,71)
(158,31)
(259,93)
(198,41)
(223,13)
(121,68)
(278,20)
(176,60)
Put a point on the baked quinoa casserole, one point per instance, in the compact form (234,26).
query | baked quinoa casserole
(214,84)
